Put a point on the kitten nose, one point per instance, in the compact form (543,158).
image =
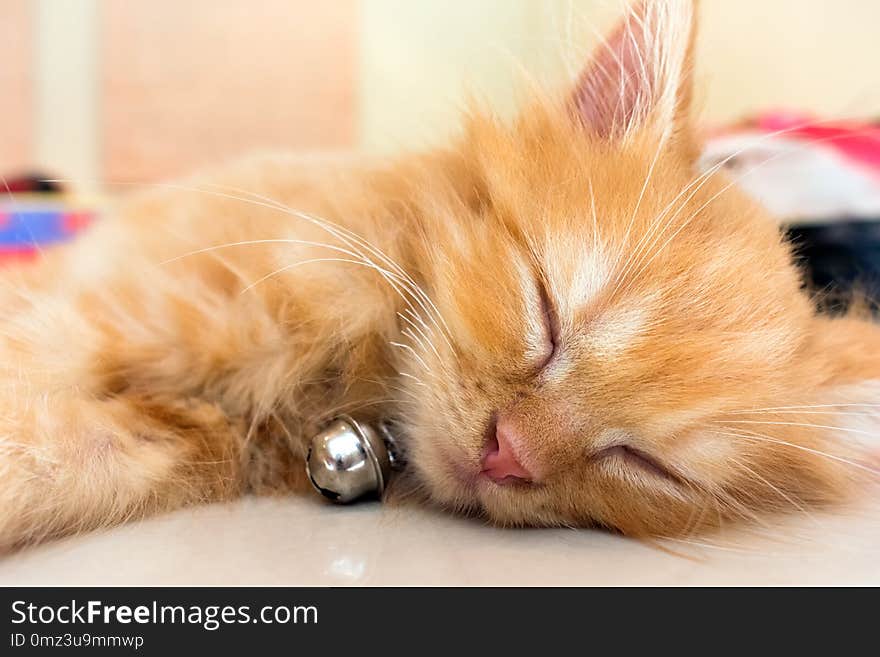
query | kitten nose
(500,462)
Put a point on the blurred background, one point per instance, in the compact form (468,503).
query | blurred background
(145,90)
(149,89)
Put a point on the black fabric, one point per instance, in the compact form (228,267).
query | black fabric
(841,261)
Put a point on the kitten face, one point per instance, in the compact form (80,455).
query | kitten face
(609,318)
(606,382)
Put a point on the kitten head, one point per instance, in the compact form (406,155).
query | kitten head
(603,320)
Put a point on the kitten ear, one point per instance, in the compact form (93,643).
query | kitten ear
(640,77)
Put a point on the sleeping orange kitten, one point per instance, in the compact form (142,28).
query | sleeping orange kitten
(569,323)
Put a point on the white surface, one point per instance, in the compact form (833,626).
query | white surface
(800,180)
(306,542)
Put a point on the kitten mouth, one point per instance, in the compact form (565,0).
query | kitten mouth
(636,458)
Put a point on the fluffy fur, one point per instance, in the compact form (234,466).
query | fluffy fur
(641,327)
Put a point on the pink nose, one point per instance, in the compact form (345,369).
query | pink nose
(500,461)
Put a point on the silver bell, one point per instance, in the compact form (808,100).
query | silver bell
(348,460)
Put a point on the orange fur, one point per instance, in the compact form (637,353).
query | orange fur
(184,350)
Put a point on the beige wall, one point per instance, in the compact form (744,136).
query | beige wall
(66,103)
(147,89)
(816,55)
(16,90)
(185,84)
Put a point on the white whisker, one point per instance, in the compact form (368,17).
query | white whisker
(413,352)
(227,245)
(420,332)
(776,490)
(724,189)
(744,434)
(802,424)
(806,406)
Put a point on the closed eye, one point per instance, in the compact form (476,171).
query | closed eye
(551,327)
(636,458)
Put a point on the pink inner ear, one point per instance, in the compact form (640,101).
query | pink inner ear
(636,69)
(608,91)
